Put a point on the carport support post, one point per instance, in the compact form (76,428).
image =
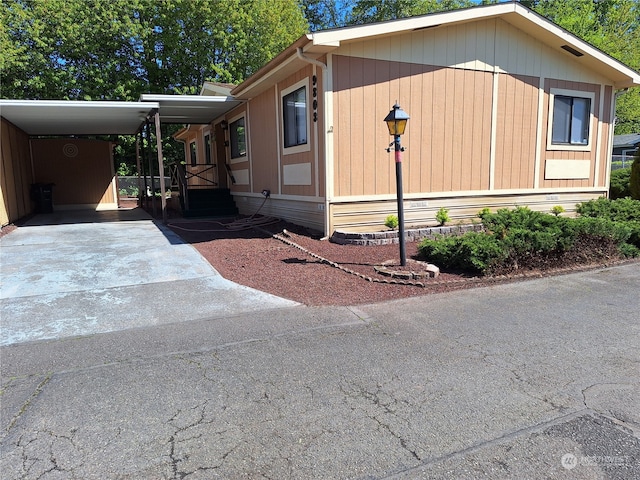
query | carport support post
(163,196)
(151,176)
(138,137)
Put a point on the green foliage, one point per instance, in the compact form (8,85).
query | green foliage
(475,252)
(619,185)
(442,216)
(391,222)
(118,49)
(522,238)
(634,177)
(620,210)
(557,210)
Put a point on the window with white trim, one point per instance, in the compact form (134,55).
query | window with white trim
(570,120)
(295,123)
(238,138)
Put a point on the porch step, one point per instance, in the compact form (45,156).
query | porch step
(210,202)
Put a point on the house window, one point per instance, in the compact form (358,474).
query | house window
(295,126)
(193,153)
(570,120)
(237,134)
(207,149)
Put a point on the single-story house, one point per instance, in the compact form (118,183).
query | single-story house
(626,146)
(506,109)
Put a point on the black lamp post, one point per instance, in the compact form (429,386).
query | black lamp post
(397,122)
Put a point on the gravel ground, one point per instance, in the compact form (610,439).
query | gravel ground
(254,258)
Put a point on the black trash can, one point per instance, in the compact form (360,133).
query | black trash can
(42,194)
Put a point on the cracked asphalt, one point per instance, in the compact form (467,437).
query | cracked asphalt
(536,379)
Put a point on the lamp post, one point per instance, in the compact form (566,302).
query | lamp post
(397,122)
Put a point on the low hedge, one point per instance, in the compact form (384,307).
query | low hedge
(522,238)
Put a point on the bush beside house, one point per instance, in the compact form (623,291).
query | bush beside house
(524,239)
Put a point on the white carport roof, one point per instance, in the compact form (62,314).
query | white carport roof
(73,117)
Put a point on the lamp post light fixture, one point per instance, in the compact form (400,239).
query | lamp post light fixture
(397,122)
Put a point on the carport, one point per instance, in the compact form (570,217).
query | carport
(24,120)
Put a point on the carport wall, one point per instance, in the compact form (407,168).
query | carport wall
(16,175)
(81,170)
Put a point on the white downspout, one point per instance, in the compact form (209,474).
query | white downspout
(323,66)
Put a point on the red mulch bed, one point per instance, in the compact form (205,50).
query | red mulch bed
(254,258)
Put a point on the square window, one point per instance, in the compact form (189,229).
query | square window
(237,135)
(294,113)
(571,116)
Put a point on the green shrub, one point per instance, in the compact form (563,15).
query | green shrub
(391,222)
(619,210)
(522,238)
(619,186)
(474,252)
(443,216)
(557,210)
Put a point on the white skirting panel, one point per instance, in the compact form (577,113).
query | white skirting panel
(367,216)
(306,213)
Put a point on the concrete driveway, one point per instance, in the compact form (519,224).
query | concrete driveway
(82,272)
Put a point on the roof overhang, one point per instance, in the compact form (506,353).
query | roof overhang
(320,43)
(68,117)
(191,109)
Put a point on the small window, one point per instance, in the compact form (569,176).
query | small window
(571,120)
(207,149)
(237,135)
(294,112)
(193,153)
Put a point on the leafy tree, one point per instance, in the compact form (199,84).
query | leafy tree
(367,11)
(118,49)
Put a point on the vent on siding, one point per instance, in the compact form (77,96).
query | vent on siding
(572,50)
(425,28)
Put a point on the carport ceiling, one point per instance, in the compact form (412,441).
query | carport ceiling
(67,117)
(70,117)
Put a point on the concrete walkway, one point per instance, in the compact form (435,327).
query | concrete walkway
(79,273)
(530,380)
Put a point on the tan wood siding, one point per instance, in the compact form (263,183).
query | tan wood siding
(516,131)
(82,173)
(447,136)
(487,45)
(15,173)
(549,153)
(263,138)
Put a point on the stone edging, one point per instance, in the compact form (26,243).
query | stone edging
(391,236)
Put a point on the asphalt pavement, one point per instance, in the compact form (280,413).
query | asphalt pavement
(534,379)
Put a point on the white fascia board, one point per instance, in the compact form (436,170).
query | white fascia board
(80,104)
(334,37)
(579,44)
